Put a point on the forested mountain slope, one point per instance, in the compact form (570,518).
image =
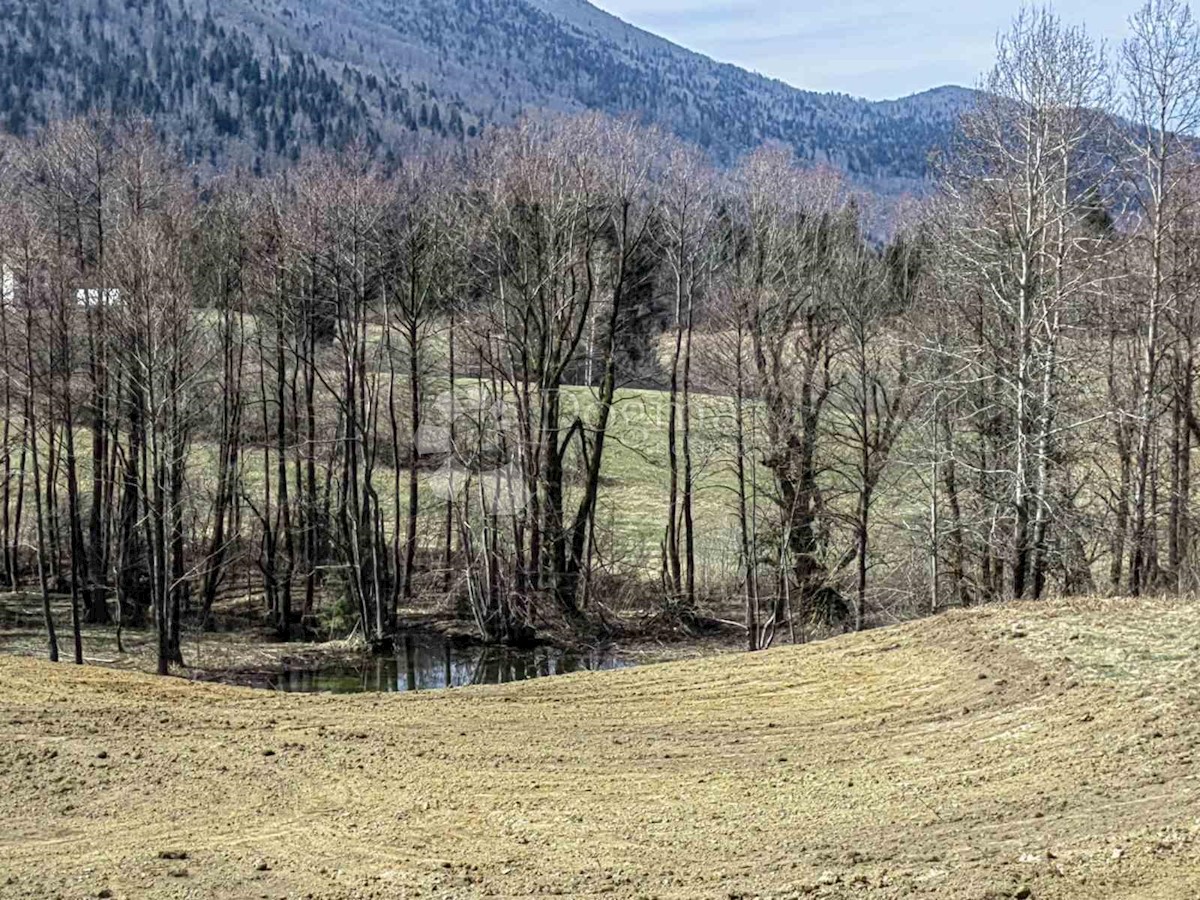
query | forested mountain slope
(255,81)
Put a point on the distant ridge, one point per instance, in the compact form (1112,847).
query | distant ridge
(254,82)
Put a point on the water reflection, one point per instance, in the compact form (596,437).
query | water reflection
(427,662)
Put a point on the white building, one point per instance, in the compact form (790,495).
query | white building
(8,285)
(93,297)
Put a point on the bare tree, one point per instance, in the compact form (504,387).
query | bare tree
(1023,188)
(1161,69)
(792,233)
(689,245)
(155,326)
(875,397)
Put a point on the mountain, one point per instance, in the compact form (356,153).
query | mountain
(256,81)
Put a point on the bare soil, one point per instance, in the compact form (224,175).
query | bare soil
(1026,751)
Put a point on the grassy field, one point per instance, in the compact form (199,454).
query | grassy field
(1030,751)
(634,495)
(633,502)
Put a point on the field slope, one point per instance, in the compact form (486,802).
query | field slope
(1039,751)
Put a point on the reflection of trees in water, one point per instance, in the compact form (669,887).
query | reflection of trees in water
(500,665)
(410,660)
(422,662)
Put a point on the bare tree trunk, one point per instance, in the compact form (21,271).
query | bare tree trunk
(74,526)
(31,436)
(748,550)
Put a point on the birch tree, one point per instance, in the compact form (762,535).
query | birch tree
(1160,65)
(1024,185)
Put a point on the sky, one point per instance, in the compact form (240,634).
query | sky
(879,49)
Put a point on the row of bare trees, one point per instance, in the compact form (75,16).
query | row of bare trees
(1067,274)
(356,388)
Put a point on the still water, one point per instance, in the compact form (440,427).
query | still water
(428,661)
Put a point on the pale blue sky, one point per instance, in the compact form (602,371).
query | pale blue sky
(869,48)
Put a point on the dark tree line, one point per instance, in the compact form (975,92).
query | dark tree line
(224,95)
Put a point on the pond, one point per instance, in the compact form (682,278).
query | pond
(425,661)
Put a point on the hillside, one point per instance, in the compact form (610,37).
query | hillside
(256,81)
(1035,751)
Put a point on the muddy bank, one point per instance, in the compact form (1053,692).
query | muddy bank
(433,649)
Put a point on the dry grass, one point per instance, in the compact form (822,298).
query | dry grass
(1043,751)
